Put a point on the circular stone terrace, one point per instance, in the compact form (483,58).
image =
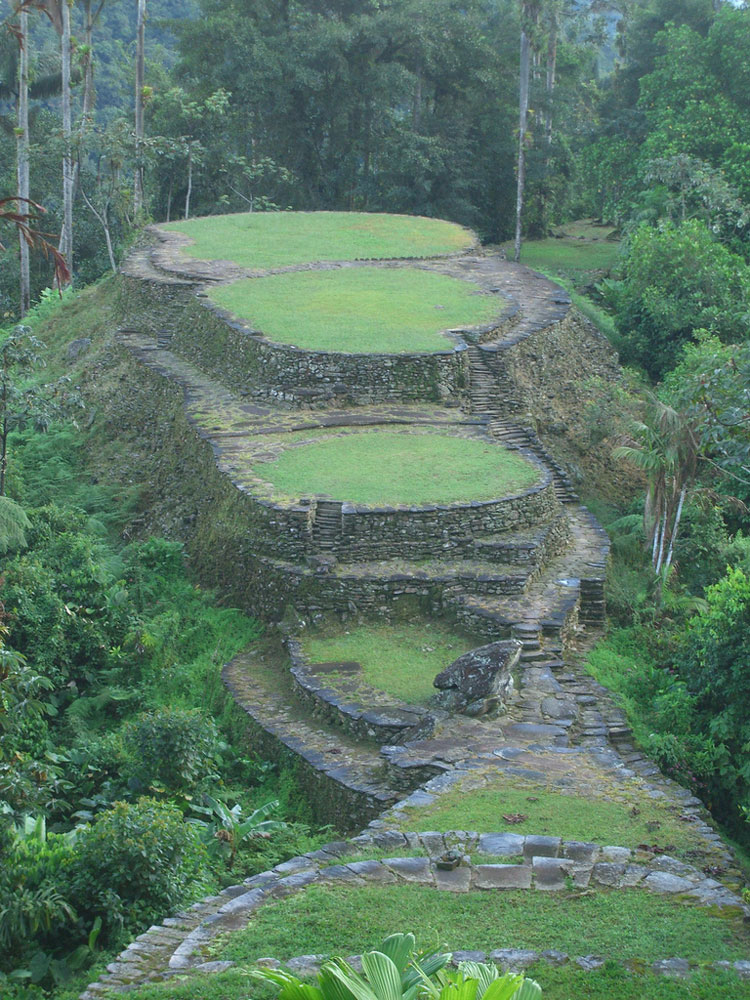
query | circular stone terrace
(337,282)
(270,240)
(399,467)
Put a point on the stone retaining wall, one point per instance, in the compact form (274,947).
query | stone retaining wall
(247,362)
(390,724)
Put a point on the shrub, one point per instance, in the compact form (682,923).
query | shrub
(678,279)
(137,863)
(173,747)
(35,904)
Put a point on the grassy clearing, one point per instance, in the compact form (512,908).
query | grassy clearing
(277,239)
(623,924)
(360,310)
(393,468)
(623,823)
(401,660)
(581,254)
(577,259)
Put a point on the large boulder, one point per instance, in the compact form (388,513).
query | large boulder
(480,681)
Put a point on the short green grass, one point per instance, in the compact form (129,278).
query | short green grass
(400,659)
(277,239)
(581,254)
(359,310)
(621,924)
(619,823)
(571,258)
(398,468)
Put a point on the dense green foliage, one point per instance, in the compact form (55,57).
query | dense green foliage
(119,748)
(678,279)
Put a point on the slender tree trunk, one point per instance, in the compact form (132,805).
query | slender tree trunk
(551,78)
(3,456)
(655,539)
(23,154)
(66,240)
(139,131)
(169,198)
(103,219)
(662,535)
(523,105)
(676,528)
(417,99)
(89,91)
(190,181)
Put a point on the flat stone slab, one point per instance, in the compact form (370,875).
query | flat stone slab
(411,869)
(581,851)
(501,845)
(514,959)
(664,882)
(541,847)
(674,968)
(552,874)
(455,880)
(502,876)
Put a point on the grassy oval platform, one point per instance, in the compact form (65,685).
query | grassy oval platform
(557,814)
(624,923)
(400,659)
(277,239)
(382,467)
(359,310)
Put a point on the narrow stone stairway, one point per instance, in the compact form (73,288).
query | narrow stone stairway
(514,435)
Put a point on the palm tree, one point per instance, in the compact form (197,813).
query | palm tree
(665,448)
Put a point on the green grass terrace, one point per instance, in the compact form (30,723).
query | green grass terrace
(360,310)
(380,468)
(262,240)
(401,659)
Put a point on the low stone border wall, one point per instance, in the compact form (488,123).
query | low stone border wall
(289,530)
(516,960)
(440,529)
(245,360)
(530,552)
(384,723)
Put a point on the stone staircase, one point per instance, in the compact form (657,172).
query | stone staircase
(327,525)
(513,435)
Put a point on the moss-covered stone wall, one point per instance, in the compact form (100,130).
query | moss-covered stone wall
(245,361)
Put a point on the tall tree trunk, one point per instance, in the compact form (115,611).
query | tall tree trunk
(523,106)
(89,92)
(103,219)
(676,526)
(23,153)
(416,113)
(190,181)
(550,94)
(66,240)
(551,77)
(139,131)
